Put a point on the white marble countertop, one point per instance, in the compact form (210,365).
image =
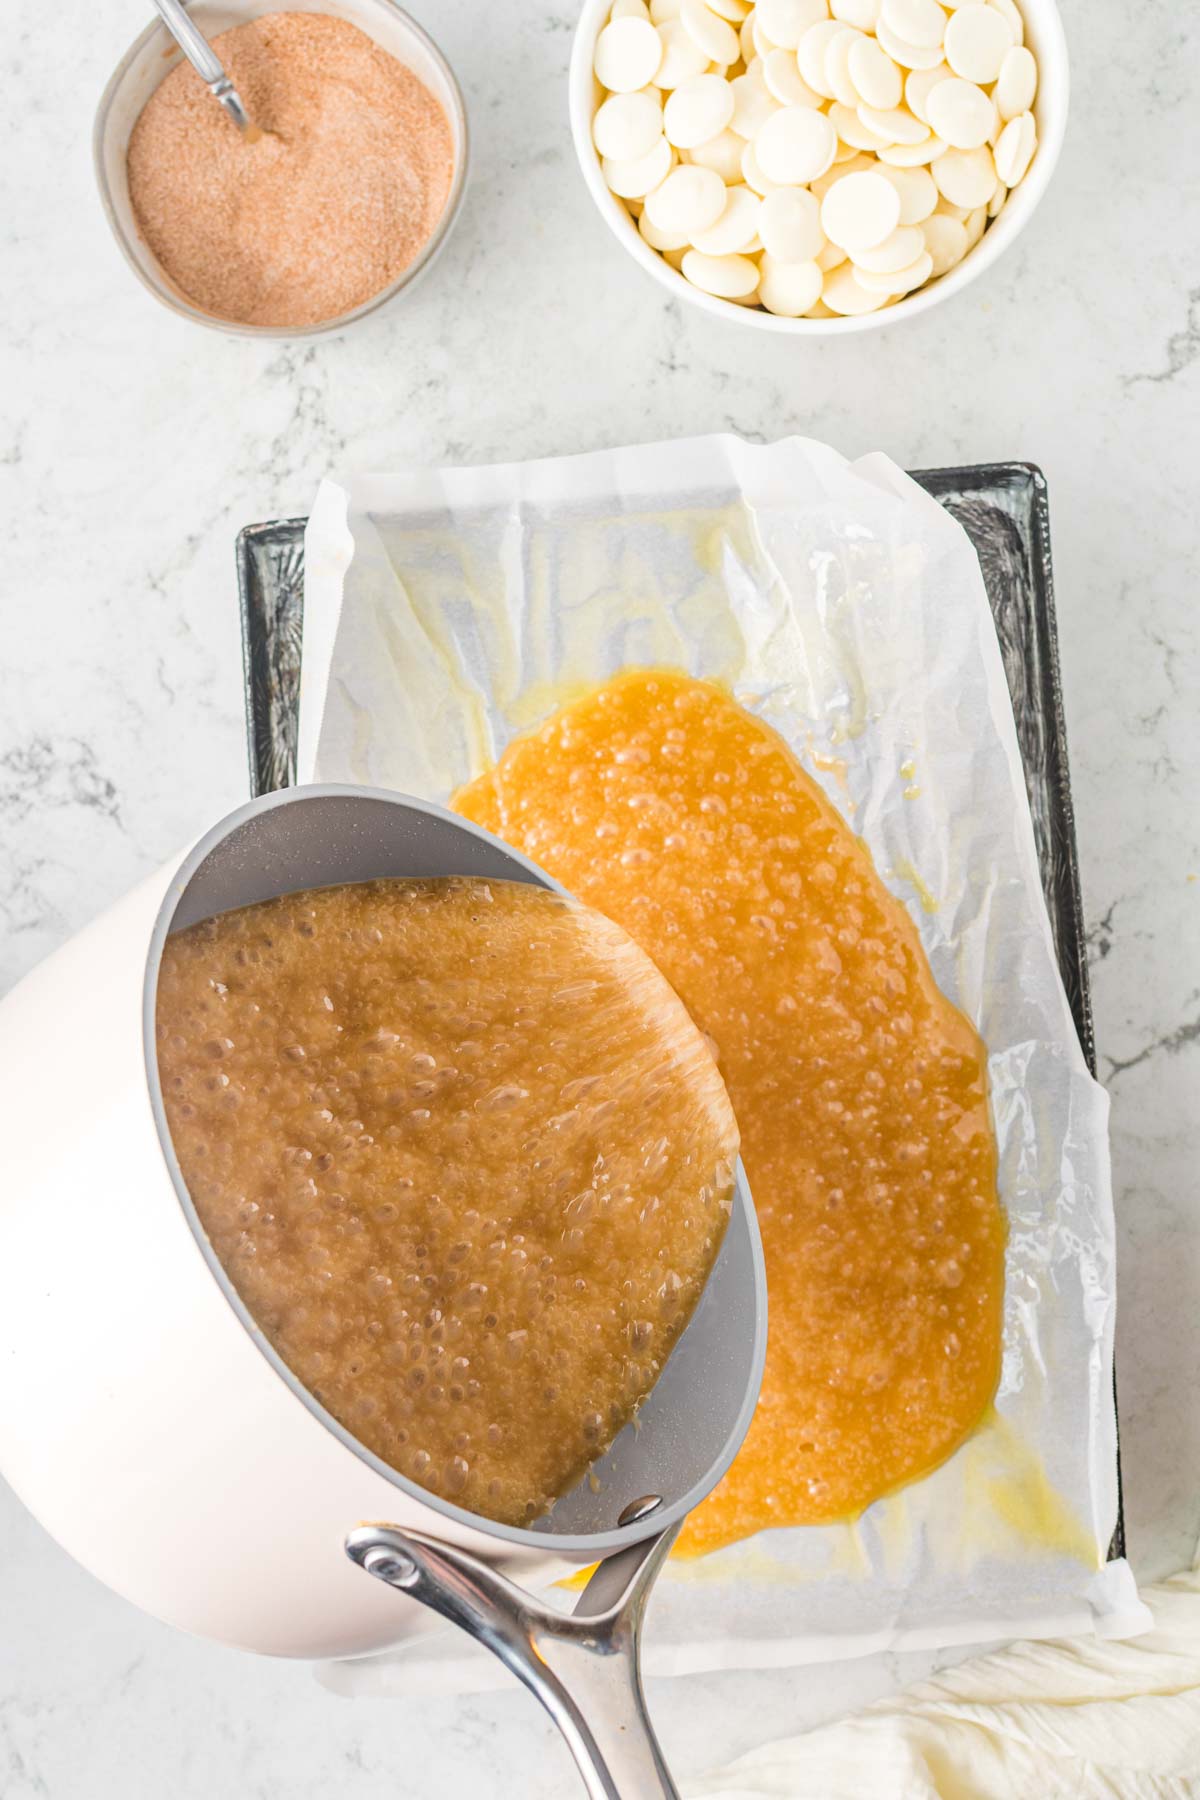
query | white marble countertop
(133,447)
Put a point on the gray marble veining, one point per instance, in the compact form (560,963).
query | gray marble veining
(133,446)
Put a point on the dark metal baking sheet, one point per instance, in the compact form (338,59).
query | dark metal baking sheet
(1004,510)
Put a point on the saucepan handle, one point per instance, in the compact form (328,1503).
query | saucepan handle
(584,1666)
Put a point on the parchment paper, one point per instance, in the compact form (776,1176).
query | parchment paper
(448,610)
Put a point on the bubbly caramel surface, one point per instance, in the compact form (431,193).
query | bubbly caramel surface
(860,1091)
(465,1158)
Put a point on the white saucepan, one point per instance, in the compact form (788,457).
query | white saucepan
(149,1425)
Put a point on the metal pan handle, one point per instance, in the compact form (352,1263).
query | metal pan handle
(584,1667)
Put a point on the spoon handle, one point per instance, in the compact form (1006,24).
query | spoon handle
(207,64)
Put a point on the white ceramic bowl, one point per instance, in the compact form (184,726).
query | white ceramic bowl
(155,54)
(1043,34)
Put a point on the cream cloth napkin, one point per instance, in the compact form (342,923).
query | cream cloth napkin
(1084,1718)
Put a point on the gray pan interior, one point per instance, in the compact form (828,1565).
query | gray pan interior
(692,1424)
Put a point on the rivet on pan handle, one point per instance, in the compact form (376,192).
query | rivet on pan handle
(584,1667)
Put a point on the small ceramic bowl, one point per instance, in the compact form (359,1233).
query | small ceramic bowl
(152,57)
(1043,34)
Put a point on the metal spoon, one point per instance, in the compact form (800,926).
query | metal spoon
(200,54)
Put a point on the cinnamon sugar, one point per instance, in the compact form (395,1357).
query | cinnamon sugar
(315,218)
